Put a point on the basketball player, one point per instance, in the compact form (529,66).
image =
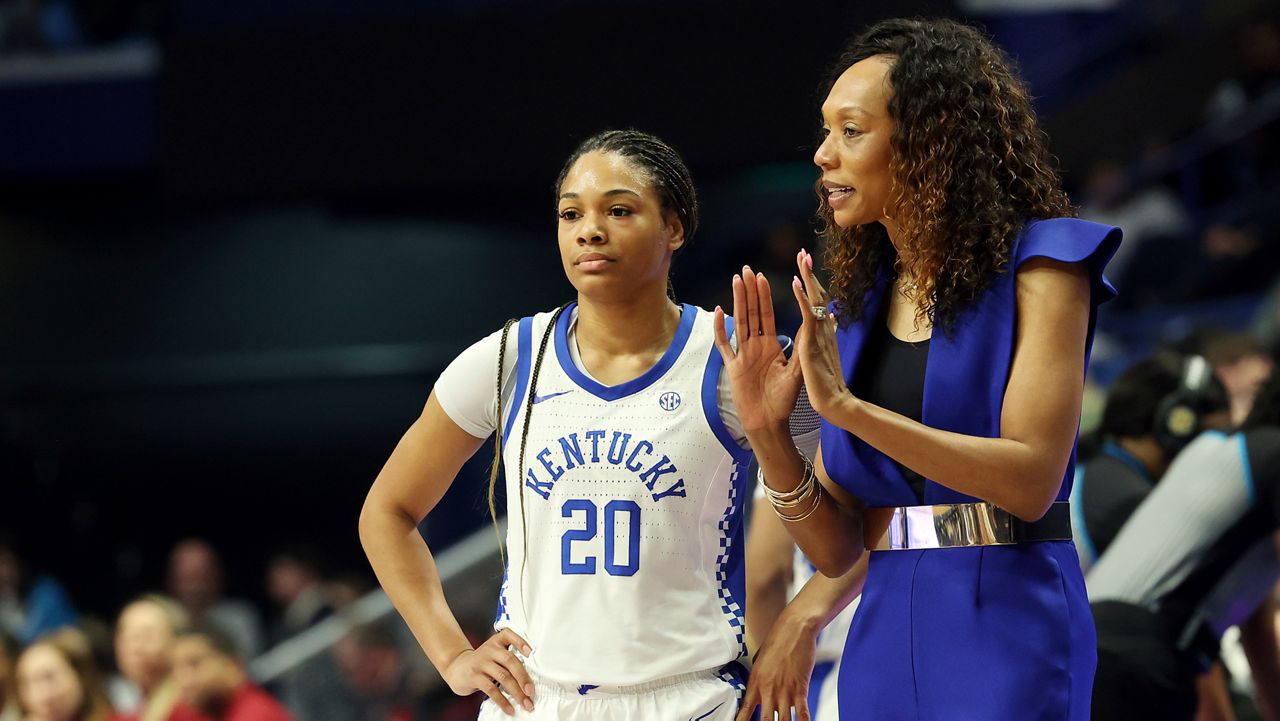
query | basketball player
(625,473)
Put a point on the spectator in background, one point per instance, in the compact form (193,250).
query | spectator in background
(1243,364)
(58,681)
(1154,222)
(210,676)
(30,606)
(144,639)
(364,677)
(195,581)
(1233,259)
(295,584)
(1153,409)
(8,689)
(1257,72)
(1197,557)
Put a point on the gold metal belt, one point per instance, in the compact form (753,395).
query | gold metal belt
(967,525)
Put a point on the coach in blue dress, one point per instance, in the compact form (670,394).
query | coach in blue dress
(948,365)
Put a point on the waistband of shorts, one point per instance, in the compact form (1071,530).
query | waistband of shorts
(543,685)
(963,525)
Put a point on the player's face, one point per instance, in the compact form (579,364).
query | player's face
(615,237)
(854,153)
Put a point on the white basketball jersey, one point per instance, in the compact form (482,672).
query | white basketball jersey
(625,563)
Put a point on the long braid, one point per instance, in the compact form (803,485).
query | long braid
(524,436)
(497,441)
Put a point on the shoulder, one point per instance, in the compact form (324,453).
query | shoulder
(1070,240)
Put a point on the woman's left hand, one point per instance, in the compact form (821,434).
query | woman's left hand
(816,342)
(765,383)
(779,679)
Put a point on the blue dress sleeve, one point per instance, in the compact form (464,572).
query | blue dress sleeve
(1072,240)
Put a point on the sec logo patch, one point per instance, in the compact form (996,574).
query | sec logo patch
(669,401)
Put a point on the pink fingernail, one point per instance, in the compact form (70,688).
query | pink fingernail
(808,259)
(795,280)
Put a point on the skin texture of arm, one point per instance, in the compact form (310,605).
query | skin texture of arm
(770,568)
(415,477)
(1258,636)
(783,666)
(1215,699)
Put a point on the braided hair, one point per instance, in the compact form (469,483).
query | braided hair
(659,161)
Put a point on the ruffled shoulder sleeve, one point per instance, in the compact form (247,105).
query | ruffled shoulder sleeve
(1072,240)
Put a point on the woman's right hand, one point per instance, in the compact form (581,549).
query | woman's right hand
(816,346)
(493,668)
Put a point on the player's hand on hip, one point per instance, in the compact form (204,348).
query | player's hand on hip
(816,347)
(493,668)
(779,679)
(765,383)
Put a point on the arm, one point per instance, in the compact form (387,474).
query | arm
(1215,699)
(765,387)
(415,477)
(770,567)
(1258,636)
(784,664)
(1021,471)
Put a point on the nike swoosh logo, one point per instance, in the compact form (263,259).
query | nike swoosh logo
(717,708)
(538,399)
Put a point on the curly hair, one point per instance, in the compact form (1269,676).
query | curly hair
(969,168)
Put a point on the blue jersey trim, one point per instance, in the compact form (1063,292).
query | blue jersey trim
(612,393)
(524,343)
(501,613)
(730,579)
(1250,489)
(711,401)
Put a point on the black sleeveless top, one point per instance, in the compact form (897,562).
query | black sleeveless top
(890,374)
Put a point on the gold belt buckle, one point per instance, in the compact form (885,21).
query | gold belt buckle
(948,525)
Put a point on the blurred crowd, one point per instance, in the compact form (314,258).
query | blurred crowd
(184,654)
(1200,223)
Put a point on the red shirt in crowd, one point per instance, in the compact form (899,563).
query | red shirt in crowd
(250,703)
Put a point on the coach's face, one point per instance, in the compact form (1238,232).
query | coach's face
(855,151)
(615,237)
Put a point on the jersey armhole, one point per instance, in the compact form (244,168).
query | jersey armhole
(524,339)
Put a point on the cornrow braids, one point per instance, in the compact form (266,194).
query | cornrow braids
(664,166)
(524,432)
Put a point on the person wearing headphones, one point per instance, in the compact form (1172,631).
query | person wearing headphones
(1152,411)
(1199,555)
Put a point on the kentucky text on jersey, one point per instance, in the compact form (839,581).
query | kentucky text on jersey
(658,474)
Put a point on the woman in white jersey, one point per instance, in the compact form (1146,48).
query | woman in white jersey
(624,470)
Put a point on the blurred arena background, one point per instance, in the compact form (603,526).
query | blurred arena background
(240,238)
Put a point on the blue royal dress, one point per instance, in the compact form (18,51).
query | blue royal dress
(999,633)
